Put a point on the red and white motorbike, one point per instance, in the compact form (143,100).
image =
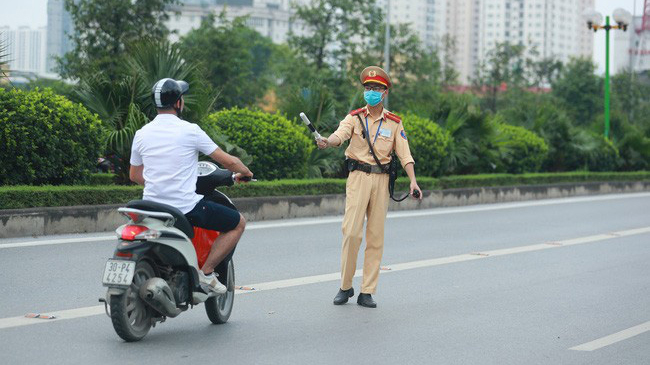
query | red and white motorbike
(154,271)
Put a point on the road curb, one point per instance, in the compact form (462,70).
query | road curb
(103,218)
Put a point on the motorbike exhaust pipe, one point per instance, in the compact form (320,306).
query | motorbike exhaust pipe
(157,294)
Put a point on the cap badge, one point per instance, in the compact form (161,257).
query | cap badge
(372,73)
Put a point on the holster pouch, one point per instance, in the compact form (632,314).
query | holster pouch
(351,164)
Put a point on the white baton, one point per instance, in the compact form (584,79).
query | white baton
(310,126)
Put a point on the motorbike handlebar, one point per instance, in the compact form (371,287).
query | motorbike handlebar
(246,179)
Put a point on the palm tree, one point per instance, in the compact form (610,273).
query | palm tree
(151,60)
(317,102)
(113,102)
(125,105)
(4,58)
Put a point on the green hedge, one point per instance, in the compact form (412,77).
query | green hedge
(428,144)
(46,139)
(279,148)
(465,181)
(14,197)
(525,151)
(102,179)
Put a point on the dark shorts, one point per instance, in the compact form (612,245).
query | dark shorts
(210,215)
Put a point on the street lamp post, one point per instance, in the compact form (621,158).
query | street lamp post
(387,46)
(594,20)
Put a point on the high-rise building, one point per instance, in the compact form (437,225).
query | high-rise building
(59,27)
(271,18)
(26,48)
(428,18)
(631,49)
(553,28)
(463,28)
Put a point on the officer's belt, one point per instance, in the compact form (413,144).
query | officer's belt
(354,165)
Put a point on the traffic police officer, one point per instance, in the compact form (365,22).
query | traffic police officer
(367,185)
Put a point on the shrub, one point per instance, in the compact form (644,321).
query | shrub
(46,139)
(470,148)
(428,143)
(634,148)
(16,197)
(473,181)
(524,151)
(102,179)
(278,147)
(600,154)
(554,126)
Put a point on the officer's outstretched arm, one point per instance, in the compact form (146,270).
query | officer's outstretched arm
(334,140)
(342,133)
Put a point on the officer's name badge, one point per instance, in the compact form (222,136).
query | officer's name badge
(385,132)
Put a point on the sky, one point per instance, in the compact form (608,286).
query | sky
(33,13)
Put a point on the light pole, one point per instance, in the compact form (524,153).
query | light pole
(387,46)
(594,21)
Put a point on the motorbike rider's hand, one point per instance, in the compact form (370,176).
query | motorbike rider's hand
(243,178)
(322,143)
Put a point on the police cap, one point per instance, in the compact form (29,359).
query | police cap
(376,75)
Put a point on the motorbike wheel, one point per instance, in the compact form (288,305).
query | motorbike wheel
(219,308)
(130,315)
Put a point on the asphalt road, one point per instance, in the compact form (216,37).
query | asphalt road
(544,282)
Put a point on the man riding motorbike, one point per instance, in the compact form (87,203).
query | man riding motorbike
(164,158)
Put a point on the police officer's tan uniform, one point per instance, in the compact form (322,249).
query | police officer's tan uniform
(367,193)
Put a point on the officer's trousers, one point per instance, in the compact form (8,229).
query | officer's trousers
(366,194)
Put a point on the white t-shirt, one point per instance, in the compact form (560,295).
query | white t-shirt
(169,149)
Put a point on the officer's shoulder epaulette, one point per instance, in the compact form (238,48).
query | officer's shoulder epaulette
(355,112)
(394,117)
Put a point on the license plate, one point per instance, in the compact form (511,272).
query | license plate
(119,272)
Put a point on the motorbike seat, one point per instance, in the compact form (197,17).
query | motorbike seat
(181,221)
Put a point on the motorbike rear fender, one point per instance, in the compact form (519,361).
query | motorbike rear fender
(172,245)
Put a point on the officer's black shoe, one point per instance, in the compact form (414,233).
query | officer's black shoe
(343,295)
(365,300)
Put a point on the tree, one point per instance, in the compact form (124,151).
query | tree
(579,91)
(448,57)
(520,107)
(414,69)
(235,57)
(317,102)
(543,72)
(150,60)
(503,68)
(124,103)
(629,97)
(103,30)
(59,87)
(4,59)
(333,30)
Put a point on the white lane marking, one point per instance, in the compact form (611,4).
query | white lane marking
(60,315)
(314,279)
(297,223)
(338,219)
(613,338)
(57,241)
(513,205)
